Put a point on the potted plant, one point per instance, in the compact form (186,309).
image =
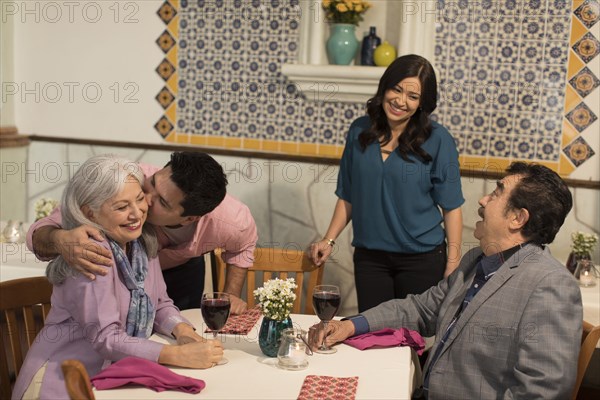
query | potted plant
(582,244)
(276,300)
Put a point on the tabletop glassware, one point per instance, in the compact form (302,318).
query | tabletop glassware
(326,302)
(13,232)
(293,350)
(215,309)
(586,273)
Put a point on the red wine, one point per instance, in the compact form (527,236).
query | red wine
(215,312)
(326,305)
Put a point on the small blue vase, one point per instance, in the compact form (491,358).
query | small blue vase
(269,335)
(342,44)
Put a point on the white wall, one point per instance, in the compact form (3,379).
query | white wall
(86,69)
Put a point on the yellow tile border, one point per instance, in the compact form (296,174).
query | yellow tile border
(172,84)
(289,147)
(565,166)
(198,140)
(571,98)
(232,142)
(252,144)
(574,65)
(270,145)
(173,26)
(569,133)
(216,141)
(577,30)
(171,112)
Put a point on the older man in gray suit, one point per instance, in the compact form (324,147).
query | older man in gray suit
(508,320)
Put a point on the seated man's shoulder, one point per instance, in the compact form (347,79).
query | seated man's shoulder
(541,263)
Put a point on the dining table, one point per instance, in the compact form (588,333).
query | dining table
(383,373)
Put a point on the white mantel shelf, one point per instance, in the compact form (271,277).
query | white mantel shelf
(334,83)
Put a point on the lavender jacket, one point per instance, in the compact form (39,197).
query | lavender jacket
(87,322)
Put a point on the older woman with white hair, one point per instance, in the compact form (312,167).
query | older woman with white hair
(113,316)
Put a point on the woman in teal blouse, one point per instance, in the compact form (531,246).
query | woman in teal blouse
(398,182)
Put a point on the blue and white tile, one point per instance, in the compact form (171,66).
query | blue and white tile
(477,144)
(526,124)
(531,52)
(502,123)
(500,146)
(548,149)
(524,148)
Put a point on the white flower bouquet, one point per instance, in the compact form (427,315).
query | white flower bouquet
(583,243)
(43,207)
(276,298)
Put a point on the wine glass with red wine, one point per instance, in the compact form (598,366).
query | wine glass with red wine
(215,311)
(326,301)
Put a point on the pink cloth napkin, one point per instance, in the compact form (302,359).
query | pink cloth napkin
(138,371)
(318,387)
(388,338)
(242,323)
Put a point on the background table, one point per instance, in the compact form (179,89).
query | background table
(591,304)
(383,373)
(18,262)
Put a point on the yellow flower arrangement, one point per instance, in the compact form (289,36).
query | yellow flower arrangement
(345,11)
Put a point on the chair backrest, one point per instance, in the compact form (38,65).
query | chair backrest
(589,340)
(24,305)
(77,380)
(277,263)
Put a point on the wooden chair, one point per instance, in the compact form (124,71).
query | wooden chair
(24,305)
(277,263)
(77,380)
(589,340)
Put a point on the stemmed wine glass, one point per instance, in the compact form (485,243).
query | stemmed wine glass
(215,311)
(326,301)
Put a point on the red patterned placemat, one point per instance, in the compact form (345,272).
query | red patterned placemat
(318,387)
(241,324)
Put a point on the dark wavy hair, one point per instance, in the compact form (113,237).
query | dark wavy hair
(418,128)
(201,179)
(544,195)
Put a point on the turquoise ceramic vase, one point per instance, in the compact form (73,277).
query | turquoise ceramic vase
(342,44)
(269,335)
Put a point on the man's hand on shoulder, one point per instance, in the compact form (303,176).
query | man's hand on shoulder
(80,249)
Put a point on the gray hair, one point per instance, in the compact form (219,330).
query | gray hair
(96,181)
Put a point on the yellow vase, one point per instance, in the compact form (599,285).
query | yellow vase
(384,54)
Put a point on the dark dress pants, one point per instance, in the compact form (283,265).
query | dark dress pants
(185,283)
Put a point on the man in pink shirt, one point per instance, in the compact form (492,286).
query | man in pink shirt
(192,214)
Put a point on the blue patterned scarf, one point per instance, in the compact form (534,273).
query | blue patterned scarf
(140,317)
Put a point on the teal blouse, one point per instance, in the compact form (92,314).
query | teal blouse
(394,202)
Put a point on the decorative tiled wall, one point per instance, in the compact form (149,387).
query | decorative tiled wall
(223,81)
(514,78)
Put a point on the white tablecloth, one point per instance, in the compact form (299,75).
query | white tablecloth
(383,373)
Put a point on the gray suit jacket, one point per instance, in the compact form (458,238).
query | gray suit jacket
(519,337)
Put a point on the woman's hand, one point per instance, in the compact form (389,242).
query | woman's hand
(193,355)
(320,251)
(185,333)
